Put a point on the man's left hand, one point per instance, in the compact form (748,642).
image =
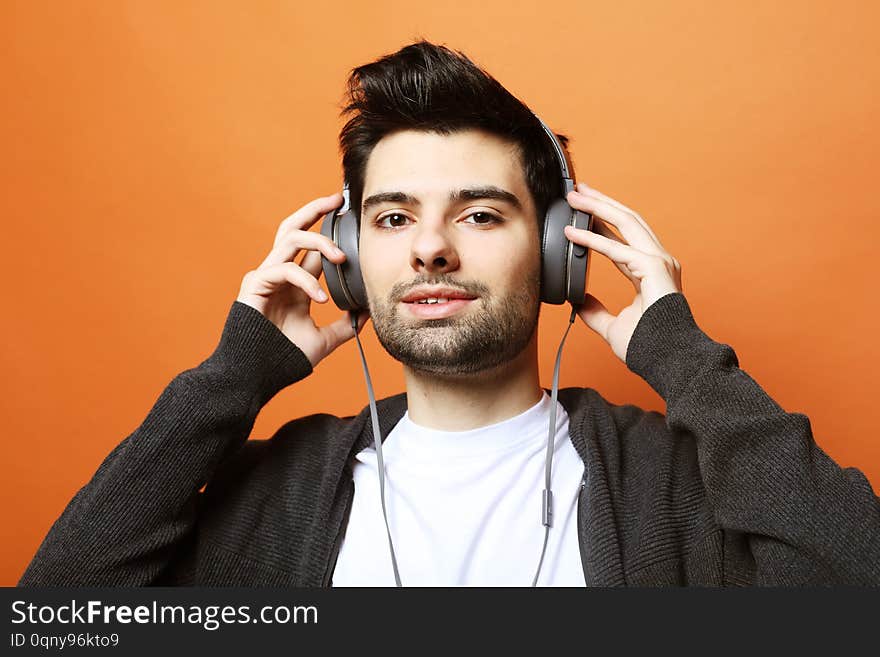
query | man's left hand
(639,256)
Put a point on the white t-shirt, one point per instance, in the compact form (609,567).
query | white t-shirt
(464,507)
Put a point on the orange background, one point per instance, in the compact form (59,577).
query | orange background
(150,150)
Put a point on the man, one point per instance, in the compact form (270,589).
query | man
(725,489)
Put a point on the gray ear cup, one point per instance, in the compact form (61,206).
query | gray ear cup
(564,265)
(344,280)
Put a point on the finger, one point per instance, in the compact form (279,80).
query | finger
(590,191)
(614,249)
(266,280)
(602,228)
(288,245)
(586,189)
(311,262)
(629,227)
(596,315)
(639,263)
(310,212)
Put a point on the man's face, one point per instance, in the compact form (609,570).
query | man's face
(423,229)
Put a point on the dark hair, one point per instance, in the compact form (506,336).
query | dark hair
(429,87)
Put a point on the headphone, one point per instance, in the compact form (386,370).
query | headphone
(564,264)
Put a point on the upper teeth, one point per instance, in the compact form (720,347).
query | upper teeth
(433,300)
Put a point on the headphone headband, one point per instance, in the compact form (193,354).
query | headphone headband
(565,168)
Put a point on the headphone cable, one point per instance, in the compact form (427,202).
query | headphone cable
(377,442)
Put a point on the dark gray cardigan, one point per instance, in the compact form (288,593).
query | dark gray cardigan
(725,489)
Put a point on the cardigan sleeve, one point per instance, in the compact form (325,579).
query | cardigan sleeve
(129,521)
(807,520)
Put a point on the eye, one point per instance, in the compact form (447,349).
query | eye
(393,224)
(488,218)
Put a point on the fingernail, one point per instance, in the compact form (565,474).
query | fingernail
(322,296)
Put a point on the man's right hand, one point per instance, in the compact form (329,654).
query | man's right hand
(282,291)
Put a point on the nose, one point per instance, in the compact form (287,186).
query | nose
(432,250)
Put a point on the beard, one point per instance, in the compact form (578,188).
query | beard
(474,340)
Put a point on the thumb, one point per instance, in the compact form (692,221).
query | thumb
(595,315)
(340,331)
(363,316)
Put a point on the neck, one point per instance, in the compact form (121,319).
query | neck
(476,400)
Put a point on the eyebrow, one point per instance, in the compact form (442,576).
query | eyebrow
(466,194)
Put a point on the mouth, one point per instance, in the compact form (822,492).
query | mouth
(436,308)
